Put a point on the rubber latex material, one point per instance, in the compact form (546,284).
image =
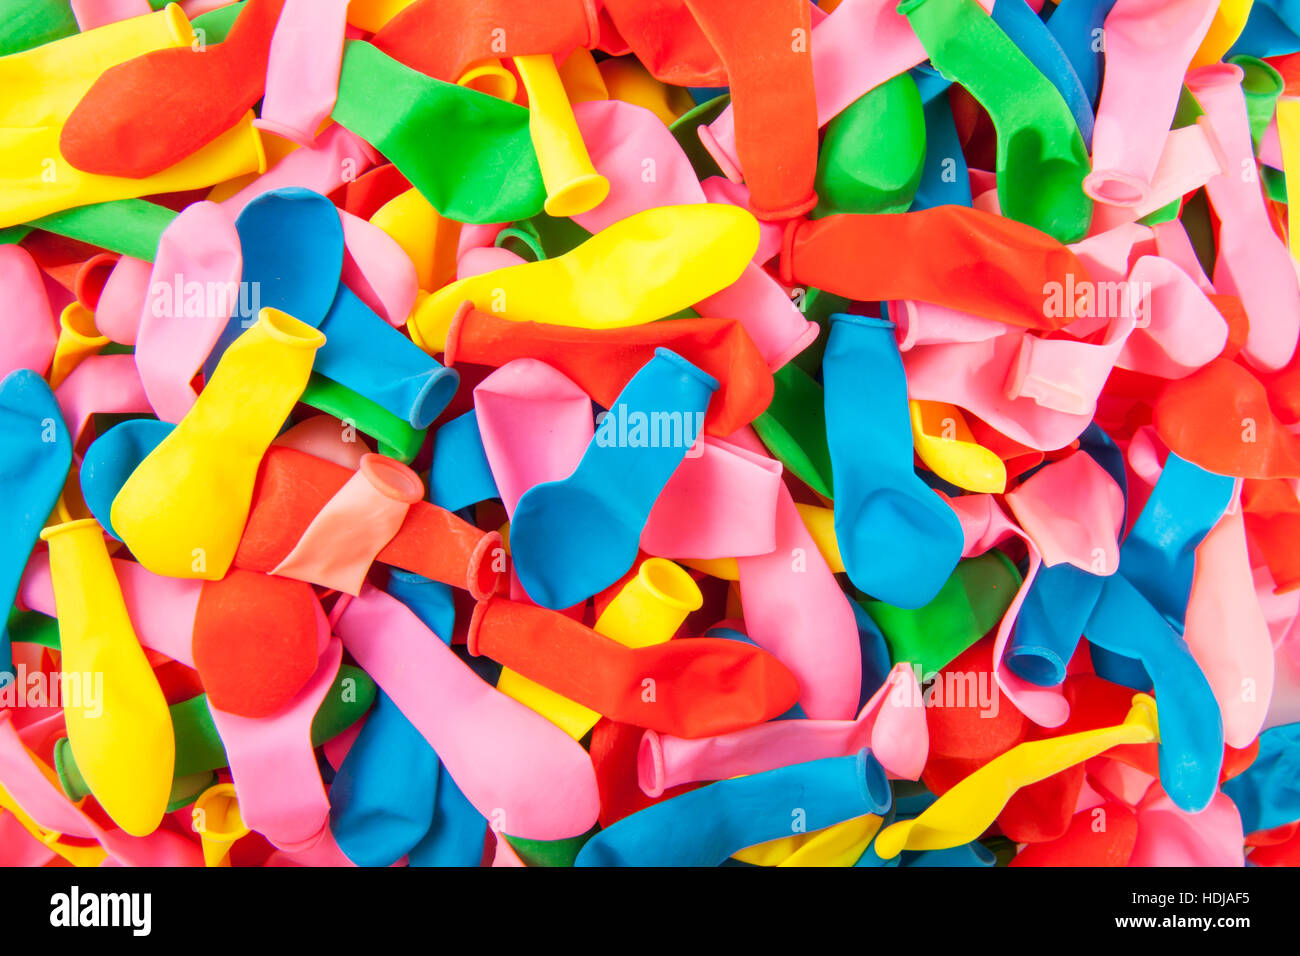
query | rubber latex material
(301,80)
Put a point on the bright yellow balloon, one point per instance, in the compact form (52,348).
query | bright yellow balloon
(961,814)
(820,522)
(372,15)
(427,238)
(1229,20)
(724,568)
(182,511)
(76,855)
(572,184)
(218,822)
(42,86)
(648,610)
(78,340)
(839,845)
(121,735)
(645,267)
(492,78)
(944,442)
(1288,133)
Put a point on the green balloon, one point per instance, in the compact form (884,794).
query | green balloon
(1262,85)
(794,428)
(395,437)
(968,606)
(131,227)
(542,237)
(685,130)
(468,153)
(550,852)
(25,24)
(1042,159)
(874,152)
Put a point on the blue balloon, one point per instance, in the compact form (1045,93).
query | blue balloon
(876,664)
(460,474)
(292,242)
(1041,48)
(706,826)
(1191,727)
(430,600)
(945,177)
(382,798)
(35,455)
(1159,554)
(968,854)
(900,541)
(112,457)
(1077,26)
(573,537)
(458,832)
(1051,621)
(1272,29)
(1268,793)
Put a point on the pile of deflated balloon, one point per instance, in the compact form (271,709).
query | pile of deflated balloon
(670,432)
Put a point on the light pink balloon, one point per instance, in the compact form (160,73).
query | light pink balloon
(98,13)
(1073,510)
(101,383)
(1226,630)
(719,503)
(1168,836)
(378,270)
(28,328)
(302,75)
(1149,44)
(273,765)
(892,723)
(122,300)
(796,611)
(323,436)
(198,250)
(1253,263)
(336,157)
(516,767)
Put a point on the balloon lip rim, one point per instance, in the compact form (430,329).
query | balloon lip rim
(1114,187)
(689,367)
(506,85)
(865,321)
(476,624)
(1277,82)
(391,478)
(650,764)
(1214,76)
(650,575)
(434,396)
(227,792)
(580,194)
(1037,652)
(874,782)
(482,580)
(451,343)
(63,527)
(289,330)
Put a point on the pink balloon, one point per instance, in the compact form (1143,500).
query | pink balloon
(302,75)
(98,13)
(795,610)
(336,157)
(122,300)
(28,328)
(1073,510)
(326,437)
(101,383)
(274,766)
(1168,836)
(516,767)
(1149,44)
(378,270)
(719,503)
(1226,630)
(1253,263)
(200,251)
(891,723)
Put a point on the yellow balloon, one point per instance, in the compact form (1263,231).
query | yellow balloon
(582,78)
(492,78)
(121,735)
(35,179)
(838,845)
(628,80)
(944,442)
(724,568)
(182,511)
(572,184)
(820,522)
(42,86)
(961,814)
(1288,133)
(218,822)
(1229,20)
(648,610)
(426,237)
(645,267)
(76,855)
(371,15)
(78,340)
